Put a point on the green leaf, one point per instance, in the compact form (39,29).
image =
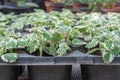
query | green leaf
(92,44)
(17,25)
(31,4)
(2,24)
(61,51)
(12,43)
(32,37)
(118,43)
(62,28)
(87,37)
(52,50)
(78,42)
(109,45)
(2,43)
(75,33)
(57,37)
(63,45)
(107,57)
(93,50)
(32,46)
(81,28)
(1,51)
(47,36)
(21,43)
(9,57)
(2,31)
(5,39)
(115,51)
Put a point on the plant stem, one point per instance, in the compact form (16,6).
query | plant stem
(40,49)
(41,42)
(65,37)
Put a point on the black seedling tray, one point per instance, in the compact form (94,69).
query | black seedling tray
(73,58)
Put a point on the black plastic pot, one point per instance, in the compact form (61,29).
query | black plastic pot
(62,72)
(8,73)
(100,72)
(21,69)
(41,3)
(83,9)
(10,7)
(118,3)
(59,6)
(2,2)
(1,8)
(78,4)
(59,10)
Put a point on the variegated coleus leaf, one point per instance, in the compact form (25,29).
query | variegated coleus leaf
(57,36)
(63,48)
(111,47)
(9,57)
(12,43)
(1,50)
(33,42)
(21,43)
(87,37)
(32,37)
(92,43)
(46,34)
(78,42)
(31,4)
(17,25)
(107,57)
(32,46)
(61,51)
(52,50)
(63,45)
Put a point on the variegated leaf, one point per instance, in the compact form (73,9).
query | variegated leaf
(92,44)
(9,57)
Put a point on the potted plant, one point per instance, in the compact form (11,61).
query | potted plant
(9,45)
(82,5)
(109,6)
(79,3)
(48,40)
(41,3)
(100,35)
(20,6)
(118,3)
(8,72)
(58,5)
(47,3)
(57,34)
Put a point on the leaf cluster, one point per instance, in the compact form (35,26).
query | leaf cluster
(57,33)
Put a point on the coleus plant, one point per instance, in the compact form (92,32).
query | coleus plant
(55,33)
(103,31)
(6,20)
(7,45)
(49,41)
(50,38)
(8,42)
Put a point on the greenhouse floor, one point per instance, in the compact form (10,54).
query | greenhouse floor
(75,73)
